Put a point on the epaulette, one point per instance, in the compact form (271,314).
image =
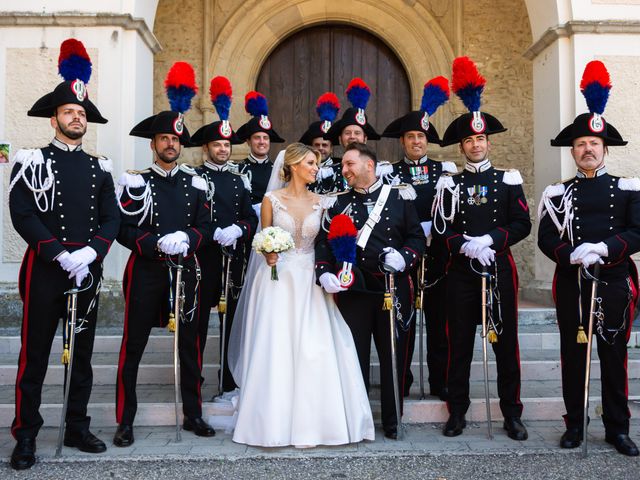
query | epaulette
(29,155)
(328,200)
(554,190)
(187,169)
(383,168)
(133,178)
(629,183)
(406,191)
(196,181)
(449,167)
(511,176)
(244,177)
(446,180)
(106,164)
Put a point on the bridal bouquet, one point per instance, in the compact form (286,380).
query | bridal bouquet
(273,240)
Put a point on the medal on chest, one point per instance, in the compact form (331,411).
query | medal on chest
(477,194)
(419,175)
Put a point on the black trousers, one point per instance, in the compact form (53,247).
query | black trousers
(435,320)
(211,260)
(42,289)
(619,296)
(364,314)
(146,289)
(464,310)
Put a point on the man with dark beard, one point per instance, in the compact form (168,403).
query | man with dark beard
(62,204)
(165,214)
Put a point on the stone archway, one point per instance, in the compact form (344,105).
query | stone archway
(251,33)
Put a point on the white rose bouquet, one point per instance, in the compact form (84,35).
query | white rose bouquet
(273,240)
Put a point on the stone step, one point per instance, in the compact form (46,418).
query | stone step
(161,411)
(162,373)
(532,338)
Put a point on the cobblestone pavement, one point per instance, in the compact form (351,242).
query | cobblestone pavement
(423,453)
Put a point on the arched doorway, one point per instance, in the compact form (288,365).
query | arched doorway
(325,58)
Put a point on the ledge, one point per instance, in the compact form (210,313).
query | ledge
(73,19)
(574,27)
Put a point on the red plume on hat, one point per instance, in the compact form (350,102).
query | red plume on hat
(181,86)
(467,83)
(595,86)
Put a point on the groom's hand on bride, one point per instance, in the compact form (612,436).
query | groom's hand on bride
(271,258)
(330,283)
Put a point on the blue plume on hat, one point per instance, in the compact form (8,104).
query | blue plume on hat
(595,86)
(467,83)
(74,62)
(255,104)
(220,93)
(181,86)
(358,93)
(328,106)
(435,94)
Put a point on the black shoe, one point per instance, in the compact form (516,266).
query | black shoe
(390,431)
(85,442)
(454,426)
(123,436)
(623,444)
(441,393)
(572,438)
(24,454)
(199,427)
(515,428)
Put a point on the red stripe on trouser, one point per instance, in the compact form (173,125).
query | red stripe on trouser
(632,309)
(514,277)
(22,361)
(123,346)
(446,374)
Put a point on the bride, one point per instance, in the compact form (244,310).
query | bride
(290,351)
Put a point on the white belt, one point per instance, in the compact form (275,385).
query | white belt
(374,217)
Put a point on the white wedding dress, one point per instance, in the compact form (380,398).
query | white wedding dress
(294,360)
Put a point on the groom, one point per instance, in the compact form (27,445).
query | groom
(395,239)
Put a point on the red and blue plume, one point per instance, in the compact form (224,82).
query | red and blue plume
(435,94)
(255,104)
(467,83)
(595,86)
(358,93)
(220,93)
(74,62)
(181,86)
(342,238)
(328,107)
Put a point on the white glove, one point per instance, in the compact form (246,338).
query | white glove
(486,256)
(586,260)
(81,259)
(426,228)
(81,275)
(324,172)
(330,283)
(475,245)
(228,235)
(394,259)
(583,249)
(256,208)
(171,243)
(66,261)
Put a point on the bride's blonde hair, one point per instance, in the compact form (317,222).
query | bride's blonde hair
(293,155)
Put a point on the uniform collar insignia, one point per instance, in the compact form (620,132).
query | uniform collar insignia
(483,166)
(253,159)
(376,185)
(413,163)
(601,171)
(65,146)
(217,168)
(163,173)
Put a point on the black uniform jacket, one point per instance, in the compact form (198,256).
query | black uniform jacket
(490,202)
(398,228)
(229,195)
(175,201)
(259,174)
(604,208)
(80,206)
